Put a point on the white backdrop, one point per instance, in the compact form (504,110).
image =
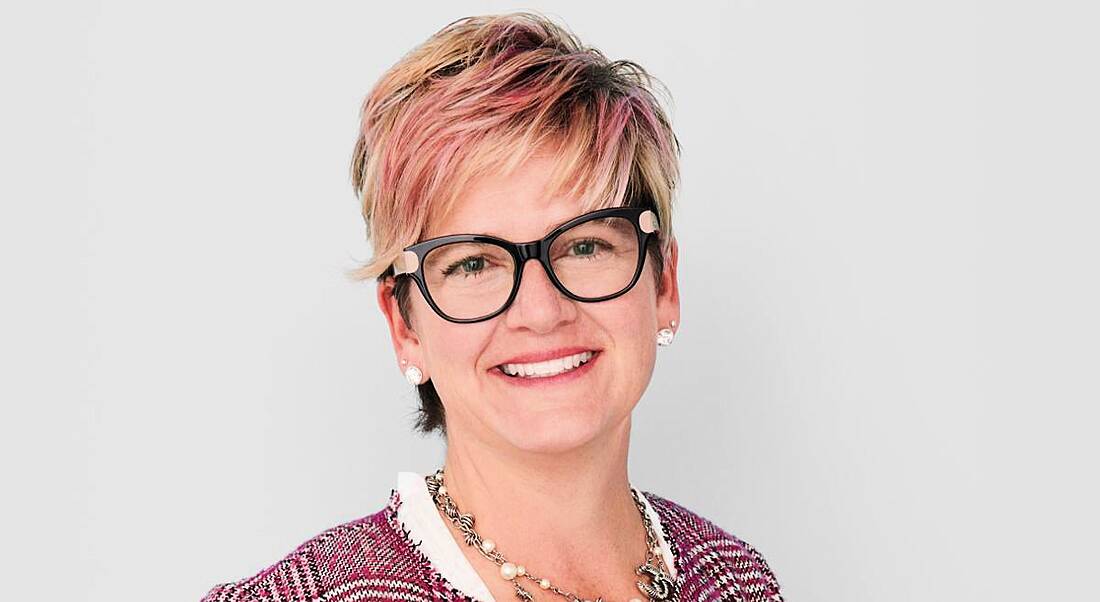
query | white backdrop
(886,374)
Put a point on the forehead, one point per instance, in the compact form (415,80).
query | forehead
(517,206)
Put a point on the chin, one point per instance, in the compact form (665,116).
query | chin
(550,431)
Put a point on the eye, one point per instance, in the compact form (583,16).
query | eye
(588,248)
(472,265)
(584,247)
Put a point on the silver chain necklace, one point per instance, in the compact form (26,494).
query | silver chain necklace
(660,587)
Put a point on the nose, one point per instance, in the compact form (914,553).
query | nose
(539,306)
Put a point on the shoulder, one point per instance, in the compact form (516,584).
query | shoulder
(367,558)
(710,559)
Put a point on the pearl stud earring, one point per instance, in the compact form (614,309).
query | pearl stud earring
(414,375)
(665,335)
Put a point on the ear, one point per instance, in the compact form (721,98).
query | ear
(406,343)
(668,300)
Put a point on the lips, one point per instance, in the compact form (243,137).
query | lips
(549,354)
(550,382)
(548,367)
(546,364)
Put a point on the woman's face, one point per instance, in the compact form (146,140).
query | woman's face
(549,414)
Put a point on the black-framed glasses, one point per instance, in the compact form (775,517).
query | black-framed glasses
(594,257)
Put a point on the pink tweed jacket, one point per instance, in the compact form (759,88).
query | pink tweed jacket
(373,559)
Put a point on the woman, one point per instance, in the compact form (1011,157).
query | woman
(498,141)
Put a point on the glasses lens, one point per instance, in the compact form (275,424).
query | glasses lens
(469,280)
(596,258)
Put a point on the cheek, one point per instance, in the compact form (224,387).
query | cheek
(450,350)
(639,305)
(629,322)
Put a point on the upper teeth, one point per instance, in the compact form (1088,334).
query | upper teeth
(549,367)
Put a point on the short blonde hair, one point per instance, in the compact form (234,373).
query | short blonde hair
(480,96)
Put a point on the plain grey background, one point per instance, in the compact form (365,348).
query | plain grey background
(886,374)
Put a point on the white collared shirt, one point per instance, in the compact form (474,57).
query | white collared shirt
(418,514)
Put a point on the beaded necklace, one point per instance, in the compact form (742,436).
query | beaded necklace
(660,587)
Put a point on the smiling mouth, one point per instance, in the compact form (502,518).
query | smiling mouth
(552,367)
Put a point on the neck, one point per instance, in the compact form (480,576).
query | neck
(556,511)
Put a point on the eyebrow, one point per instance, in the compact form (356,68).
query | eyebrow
(496,234)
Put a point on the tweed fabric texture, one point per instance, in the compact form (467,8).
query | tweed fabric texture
(373,559)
